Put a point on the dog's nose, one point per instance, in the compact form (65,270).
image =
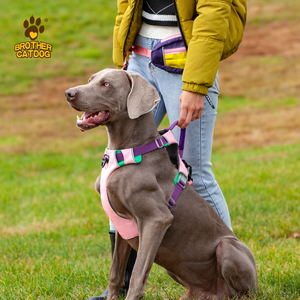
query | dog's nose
(71,94)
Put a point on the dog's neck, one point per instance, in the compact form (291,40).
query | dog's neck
(131,133)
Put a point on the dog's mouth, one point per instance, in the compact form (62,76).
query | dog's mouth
(92,120)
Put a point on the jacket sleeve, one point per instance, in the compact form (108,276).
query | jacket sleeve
(117,50)
(206,46)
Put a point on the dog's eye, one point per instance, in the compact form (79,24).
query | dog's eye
(106,84)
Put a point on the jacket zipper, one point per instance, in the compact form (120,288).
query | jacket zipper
(179,25)
(124,52)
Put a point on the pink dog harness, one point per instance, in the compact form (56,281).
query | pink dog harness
(114,159)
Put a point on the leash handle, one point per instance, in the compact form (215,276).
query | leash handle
(181,140)
(171,127)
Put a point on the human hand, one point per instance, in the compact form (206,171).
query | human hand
(191,108)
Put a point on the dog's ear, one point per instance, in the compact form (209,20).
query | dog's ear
(142,97)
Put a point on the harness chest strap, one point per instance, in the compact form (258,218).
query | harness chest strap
(126,227)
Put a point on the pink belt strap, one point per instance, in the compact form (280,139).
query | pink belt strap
(141,51)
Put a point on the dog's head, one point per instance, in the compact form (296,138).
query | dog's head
(111,95)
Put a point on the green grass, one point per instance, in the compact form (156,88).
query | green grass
(54,242)
(230,104)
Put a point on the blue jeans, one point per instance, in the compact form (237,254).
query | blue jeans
(199,134)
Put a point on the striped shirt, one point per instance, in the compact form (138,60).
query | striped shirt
(159,12)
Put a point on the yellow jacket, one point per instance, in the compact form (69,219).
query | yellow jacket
(212,31)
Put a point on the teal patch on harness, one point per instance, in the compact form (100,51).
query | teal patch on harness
(122,162)
(176,178)
(138,159)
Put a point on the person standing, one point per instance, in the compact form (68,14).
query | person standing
(211,31)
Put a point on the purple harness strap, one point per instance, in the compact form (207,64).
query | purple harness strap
(181,178)
(114,159)
(138,151)
(182,175)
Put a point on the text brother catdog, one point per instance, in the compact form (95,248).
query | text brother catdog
(33,50)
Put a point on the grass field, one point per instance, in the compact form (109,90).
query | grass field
(54,241)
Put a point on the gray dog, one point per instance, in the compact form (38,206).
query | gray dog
(189,240)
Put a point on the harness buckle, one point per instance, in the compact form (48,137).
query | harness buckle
(181,183)
(171,202)
(159,143)
(189,169)
(181,179)
(105,160)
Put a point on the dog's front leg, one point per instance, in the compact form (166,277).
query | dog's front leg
(117,271)
(152,228)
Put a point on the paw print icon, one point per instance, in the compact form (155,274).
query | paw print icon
(34,29)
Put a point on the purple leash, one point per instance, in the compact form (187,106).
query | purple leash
(181,178)
(181,140)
